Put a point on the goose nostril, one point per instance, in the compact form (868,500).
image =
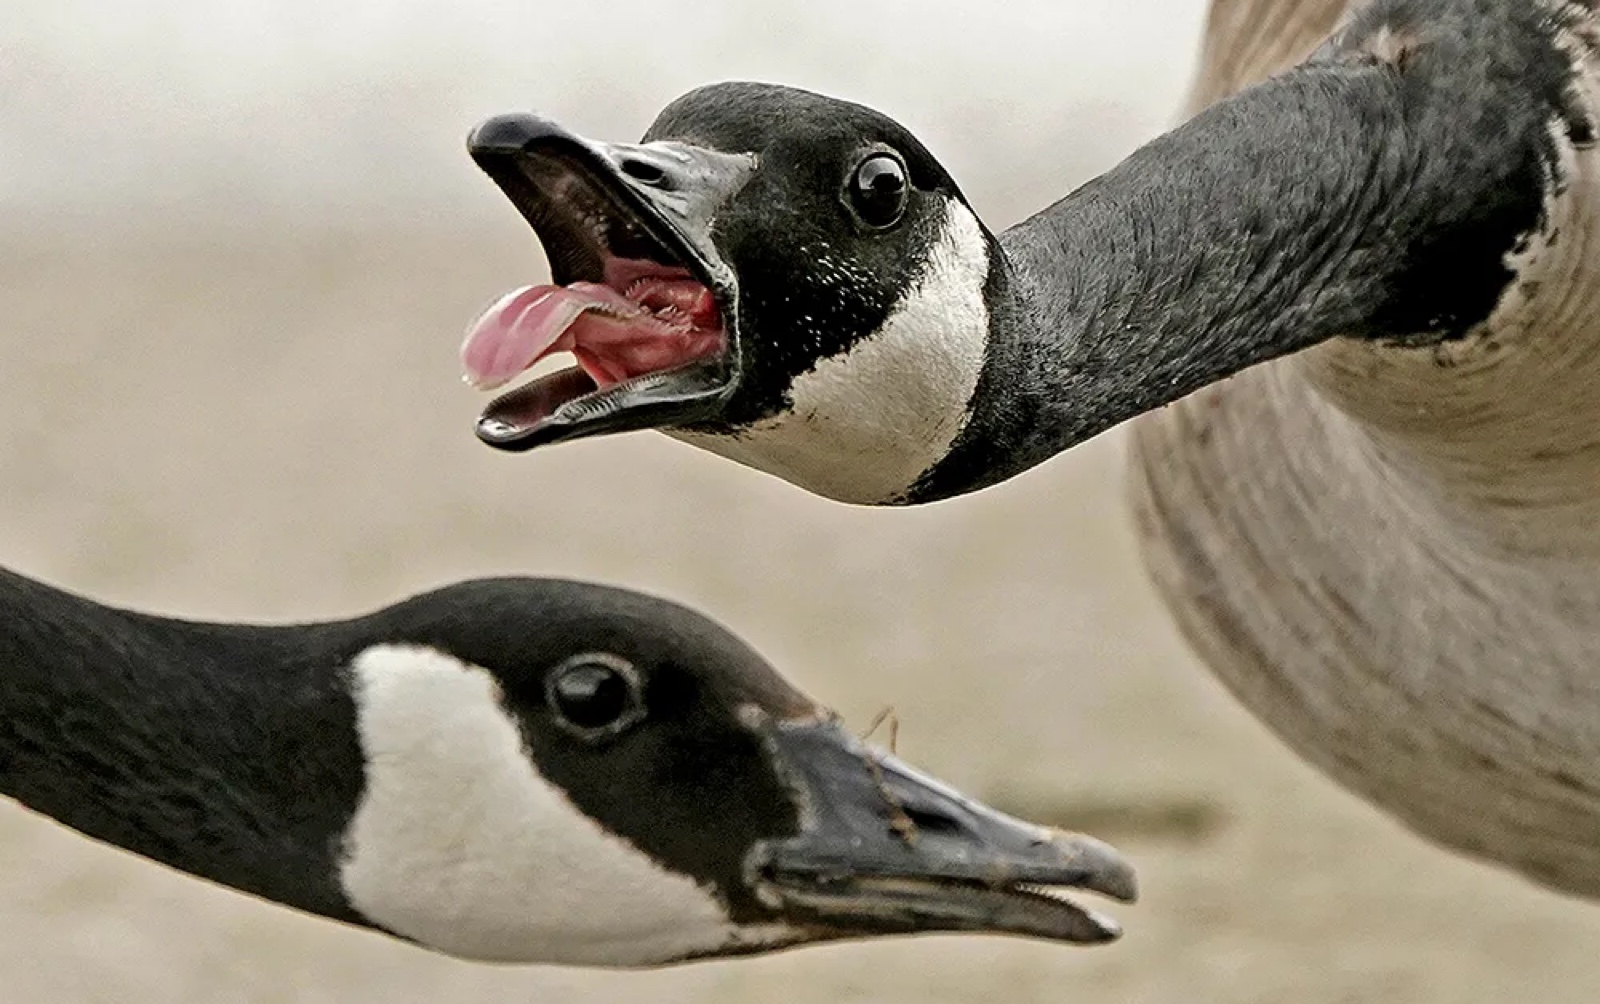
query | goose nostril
(931,821)
(643,171)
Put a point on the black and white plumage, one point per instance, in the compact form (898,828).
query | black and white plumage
(519,770)
(1364,280)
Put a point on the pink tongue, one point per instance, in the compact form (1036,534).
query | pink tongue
(668,321)
(529,323)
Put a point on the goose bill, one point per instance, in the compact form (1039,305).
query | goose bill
(639,294)
(885,849)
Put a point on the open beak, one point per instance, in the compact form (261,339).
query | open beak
(620,224)
(884,849)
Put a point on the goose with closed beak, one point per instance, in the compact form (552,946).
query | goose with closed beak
(514,770)
(1365,281)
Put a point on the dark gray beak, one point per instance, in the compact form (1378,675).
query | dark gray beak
(589,202)
(885,849)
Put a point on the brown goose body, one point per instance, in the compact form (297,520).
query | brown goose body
(1392,555)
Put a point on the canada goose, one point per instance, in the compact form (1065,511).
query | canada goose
(517,770)
(1385,543)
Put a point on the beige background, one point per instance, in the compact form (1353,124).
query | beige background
(238,241)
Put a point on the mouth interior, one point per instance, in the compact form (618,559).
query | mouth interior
(625,304)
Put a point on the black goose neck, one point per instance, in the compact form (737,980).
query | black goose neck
(226,751)
(1362,194)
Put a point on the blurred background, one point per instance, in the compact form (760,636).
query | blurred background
(238,242)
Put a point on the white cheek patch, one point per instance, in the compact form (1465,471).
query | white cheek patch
(867,423)
(461,845)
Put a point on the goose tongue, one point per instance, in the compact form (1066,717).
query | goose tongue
(529,323)
(669,321)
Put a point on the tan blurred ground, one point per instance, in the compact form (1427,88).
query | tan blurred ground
(222,399)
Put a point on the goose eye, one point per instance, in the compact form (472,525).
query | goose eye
(878,190)
(595,695)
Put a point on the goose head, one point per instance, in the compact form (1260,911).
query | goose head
(631,785)
(780,277)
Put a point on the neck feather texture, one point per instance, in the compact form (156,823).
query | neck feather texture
(1362,194)
(228,752)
